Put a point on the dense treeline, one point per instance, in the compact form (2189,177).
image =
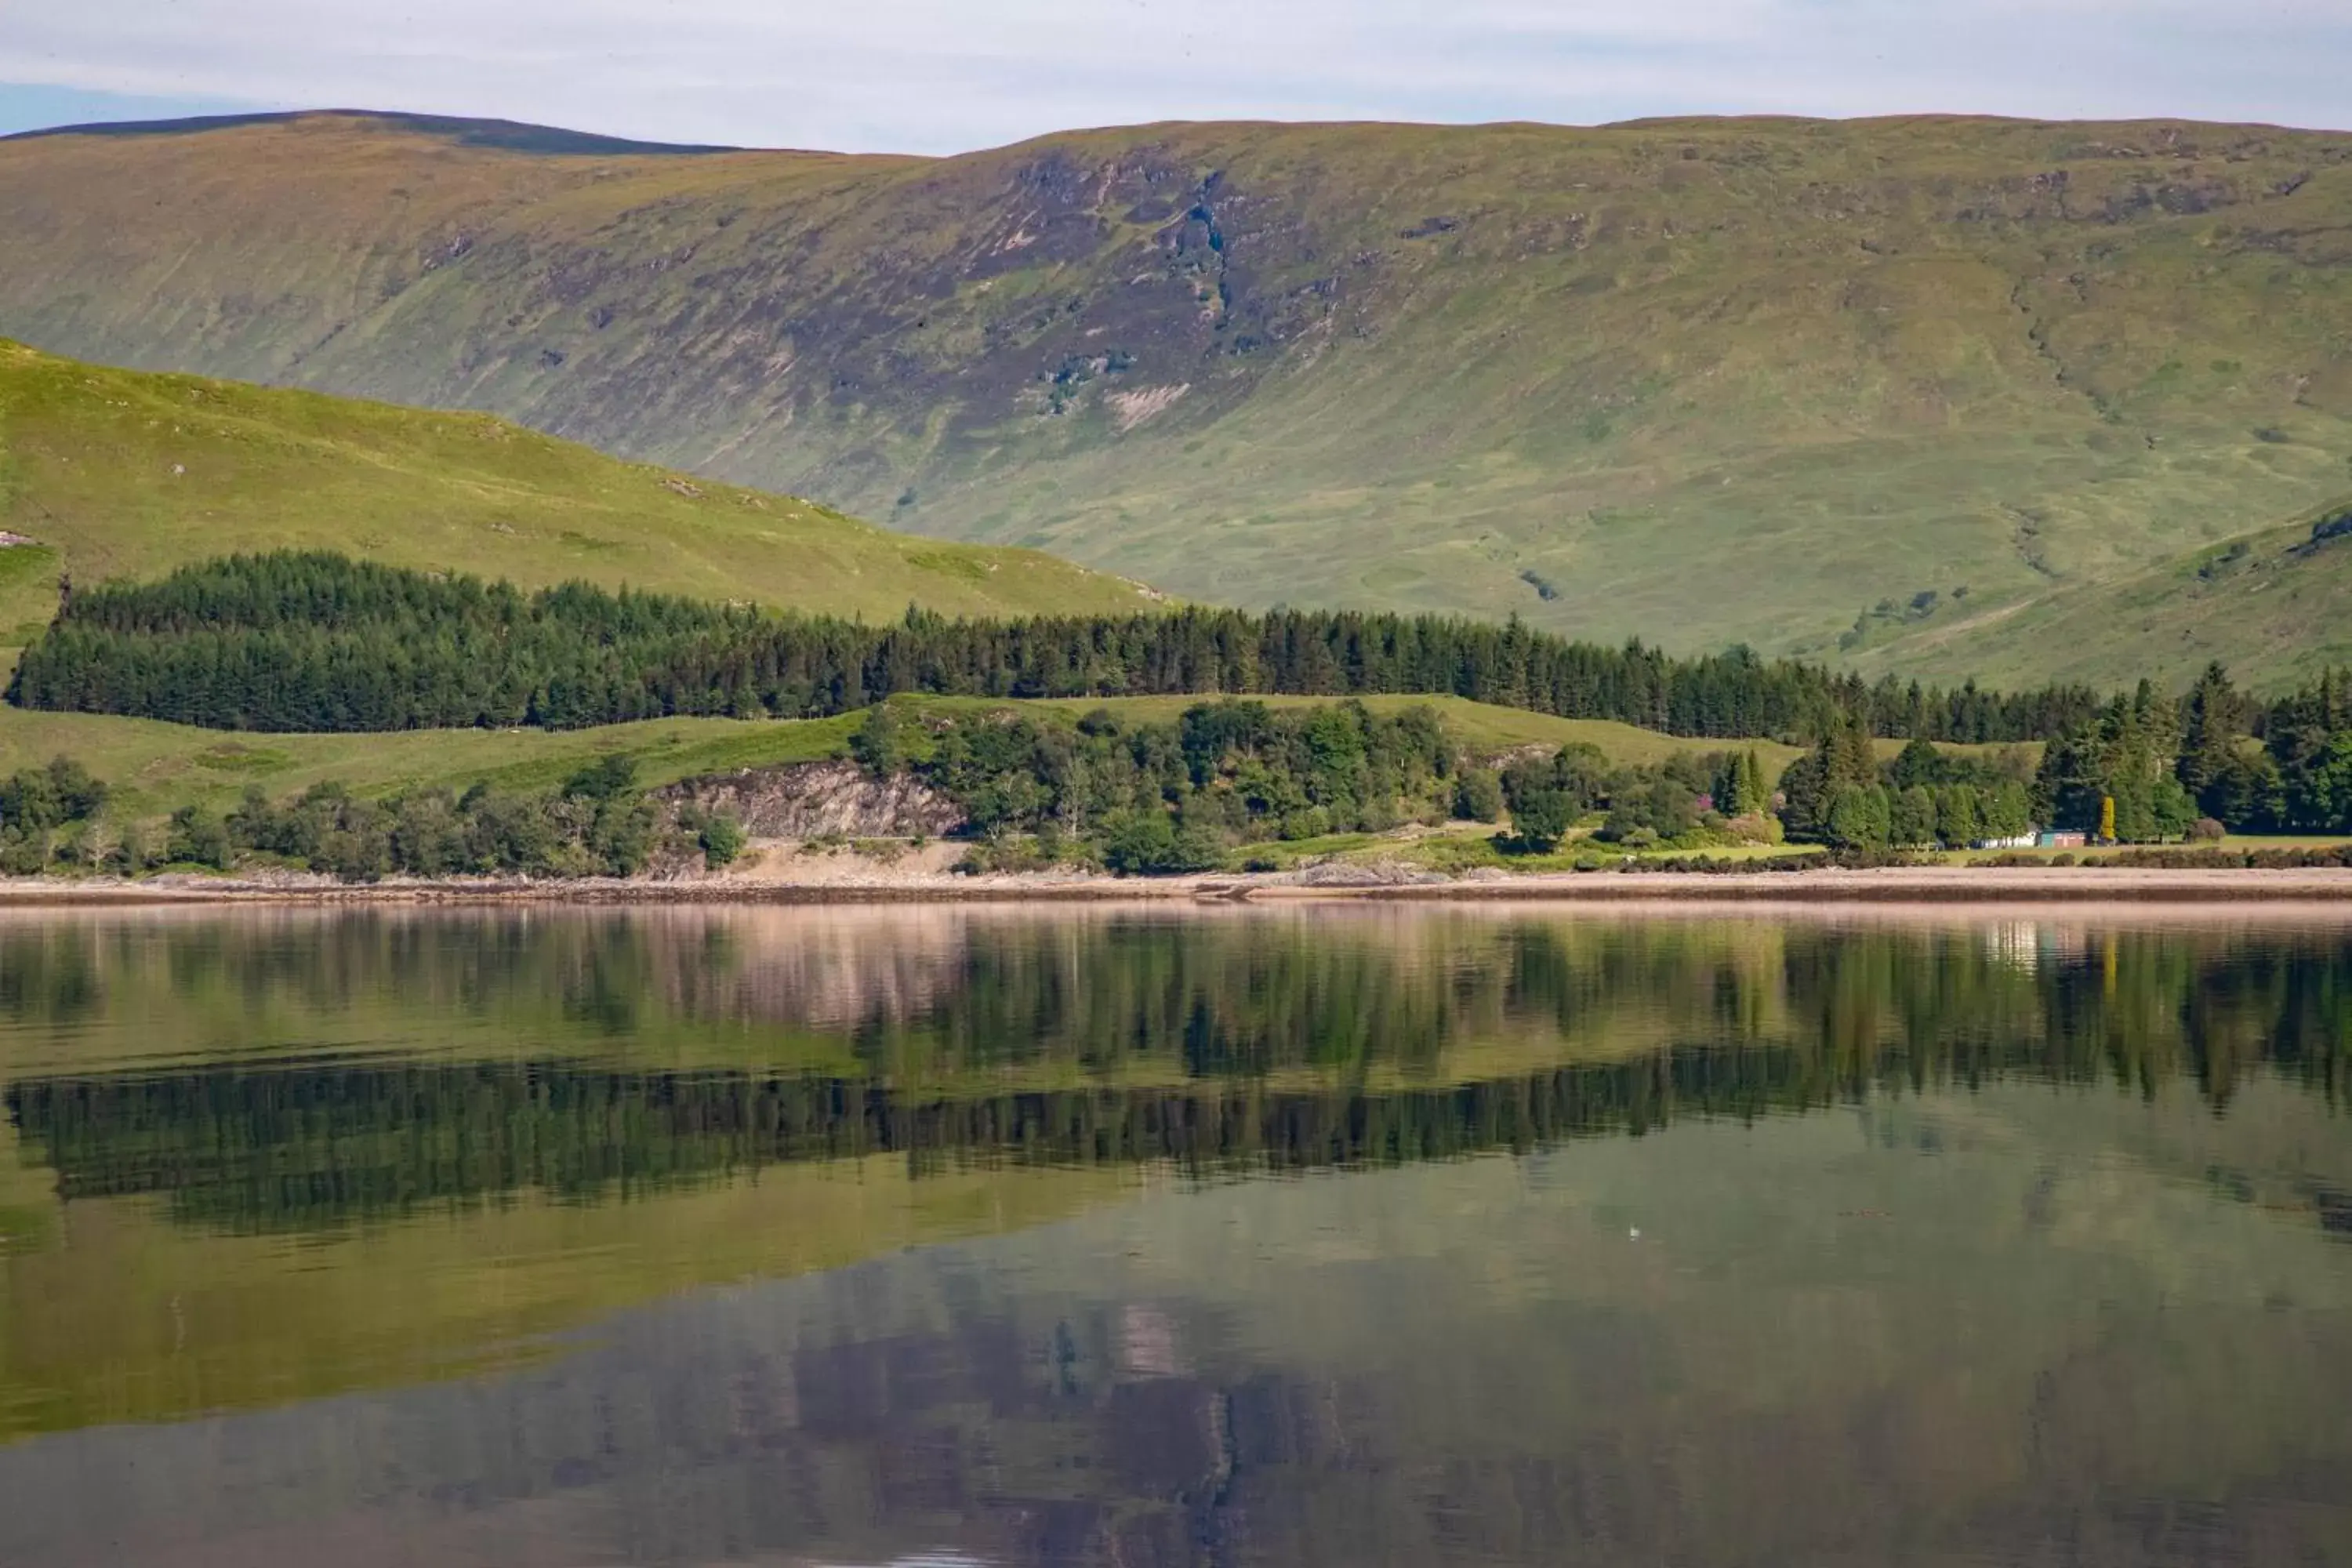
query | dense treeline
(1842,795)
(2143,769)
(1717,795)
(2282,767)
(600,822)
(1161,798)
(317,642)
(2149,768)
(1183,794)
(321,642)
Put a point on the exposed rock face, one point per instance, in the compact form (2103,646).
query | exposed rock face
(813,800)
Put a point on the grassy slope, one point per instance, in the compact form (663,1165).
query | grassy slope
(125,473)
(1706,379)
(2274,602)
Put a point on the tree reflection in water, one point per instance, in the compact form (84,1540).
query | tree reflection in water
(1113,1238)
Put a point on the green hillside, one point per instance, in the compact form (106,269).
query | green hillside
(2276,602)
(120,473)
(1701,380)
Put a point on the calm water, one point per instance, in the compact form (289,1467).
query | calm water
(1347,1236)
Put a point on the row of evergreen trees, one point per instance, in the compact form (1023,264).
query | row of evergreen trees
(2285,766)
(2148,768)
(319,642)
(2144,769)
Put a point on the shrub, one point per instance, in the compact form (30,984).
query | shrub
(361,852)
(1541,819)
(1195,849)
(37,802)
(2205,830)
(880,744)
(197,838)
(24,853)
(1150,845)
(76,848)
(722,839)
(1478,796)
(129,854)
(1140,844)
(609,777)
(1313,822)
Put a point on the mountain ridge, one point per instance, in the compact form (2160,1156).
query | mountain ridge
(1702,380)
(511,135)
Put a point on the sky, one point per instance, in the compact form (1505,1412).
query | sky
(946,76)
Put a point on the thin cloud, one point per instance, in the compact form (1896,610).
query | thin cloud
(924,76)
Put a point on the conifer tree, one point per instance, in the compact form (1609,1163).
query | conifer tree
(1750,799)
(1959,818)
(2213,723)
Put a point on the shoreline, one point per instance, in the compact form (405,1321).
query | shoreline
(1959,885)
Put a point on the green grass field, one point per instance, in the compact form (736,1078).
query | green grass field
(120,473)
(1698,381)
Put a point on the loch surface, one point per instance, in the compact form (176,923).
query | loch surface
(1346,1236)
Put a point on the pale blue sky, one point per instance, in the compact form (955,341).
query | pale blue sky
(938,75)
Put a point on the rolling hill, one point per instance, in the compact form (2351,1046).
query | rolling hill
(2276,602)
(125,473)
(1877,391)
